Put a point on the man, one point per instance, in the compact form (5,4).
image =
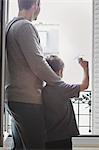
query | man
(27,71)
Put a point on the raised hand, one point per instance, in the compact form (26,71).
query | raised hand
(83,63)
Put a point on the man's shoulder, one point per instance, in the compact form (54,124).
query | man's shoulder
(18,23)
(55,86)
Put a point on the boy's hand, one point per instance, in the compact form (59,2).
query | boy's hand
(85,82)
(83,63)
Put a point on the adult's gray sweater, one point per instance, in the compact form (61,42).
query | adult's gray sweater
(27,66)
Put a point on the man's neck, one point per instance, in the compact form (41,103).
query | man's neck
(25,14)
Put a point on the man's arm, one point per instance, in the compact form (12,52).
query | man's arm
(29,45)
(85,82)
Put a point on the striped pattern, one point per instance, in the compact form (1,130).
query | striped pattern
(95,90)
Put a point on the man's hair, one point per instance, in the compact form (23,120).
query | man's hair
(55,62)
(27,4)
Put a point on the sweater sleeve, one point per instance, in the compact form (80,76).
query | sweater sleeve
(29,44)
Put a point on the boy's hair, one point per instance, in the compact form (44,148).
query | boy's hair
(55,62)
(27,4)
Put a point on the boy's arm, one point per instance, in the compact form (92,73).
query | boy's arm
(71,91)
(85,82)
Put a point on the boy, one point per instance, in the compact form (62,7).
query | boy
(59,114)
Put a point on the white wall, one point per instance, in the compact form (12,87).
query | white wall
(75,20)
(13,8)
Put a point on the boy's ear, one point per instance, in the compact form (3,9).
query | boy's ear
(33,6)
(61,72)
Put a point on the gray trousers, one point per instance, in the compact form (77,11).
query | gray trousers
(28,126)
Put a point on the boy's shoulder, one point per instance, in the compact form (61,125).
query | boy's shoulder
(59,84)
(56,86)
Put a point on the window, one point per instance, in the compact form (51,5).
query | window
(83,111)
